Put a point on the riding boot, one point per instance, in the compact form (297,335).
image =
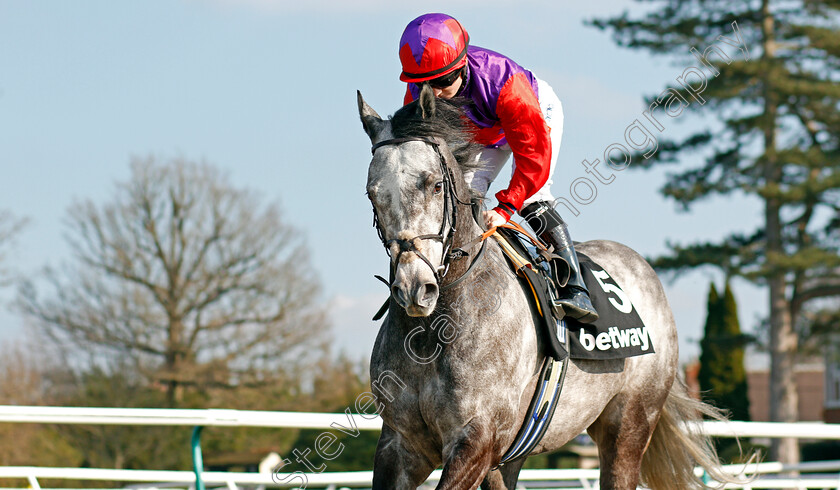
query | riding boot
(551,229)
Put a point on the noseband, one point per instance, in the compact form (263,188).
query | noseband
(450,213)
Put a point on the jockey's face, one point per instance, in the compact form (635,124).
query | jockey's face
(448,91)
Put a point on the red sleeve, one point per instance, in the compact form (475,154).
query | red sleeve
(528,135)
(505,210)
(408,97)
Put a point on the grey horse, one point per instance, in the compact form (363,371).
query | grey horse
(457,359)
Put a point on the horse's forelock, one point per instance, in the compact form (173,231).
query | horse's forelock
(448,122)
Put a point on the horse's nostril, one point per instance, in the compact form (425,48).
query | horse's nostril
(399,296)
(427,294)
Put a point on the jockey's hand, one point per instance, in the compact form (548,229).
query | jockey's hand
(493,219)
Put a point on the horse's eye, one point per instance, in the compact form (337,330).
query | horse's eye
(438,187)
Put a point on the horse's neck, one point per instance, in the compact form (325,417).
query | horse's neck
(490,268)
(466,232)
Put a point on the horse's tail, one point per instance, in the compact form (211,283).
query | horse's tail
(675,449)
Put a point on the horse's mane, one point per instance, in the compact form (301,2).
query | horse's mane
(447,121)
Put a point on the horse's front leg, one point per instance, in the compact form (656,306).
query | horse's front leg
(396,466)
(467,459)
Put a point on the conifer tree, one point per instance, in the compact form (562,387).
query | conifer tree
(767,70)
(722,377)
(709,353)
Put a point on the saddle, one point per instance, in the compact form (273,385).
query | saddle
(618,333)
(541,273)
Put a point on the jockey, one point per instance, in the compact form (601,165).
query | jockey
(513,113)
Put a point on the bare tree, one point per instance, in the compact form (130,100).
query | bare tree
(192,280)
(9,228)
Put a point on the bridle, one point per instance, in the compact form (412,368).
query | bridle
(450,215)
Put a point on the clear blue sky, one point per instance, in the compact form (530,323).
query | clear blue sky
(265,89)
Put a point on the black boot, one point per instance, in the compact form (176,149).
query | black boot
(551,229)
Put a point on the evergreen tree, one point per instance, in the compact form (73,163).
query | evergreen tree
(768,69)
(722,376)
(710,355)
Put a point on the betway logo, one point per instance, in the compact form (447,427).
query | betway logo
(614,338)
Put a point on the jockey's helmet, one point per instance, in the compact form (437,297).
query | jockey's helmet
(432,46)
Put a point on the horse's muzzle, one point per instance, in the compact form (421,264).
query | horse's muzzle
(419,300)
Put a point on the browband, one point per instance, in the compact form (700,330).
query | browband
(399,141)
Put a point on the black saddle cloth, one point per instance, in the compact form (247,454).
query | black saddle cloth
(619,331)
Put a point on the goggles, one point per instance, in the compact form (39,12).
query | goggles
(446,80)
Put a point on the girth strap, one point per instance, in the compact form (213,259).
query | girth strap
(541,410)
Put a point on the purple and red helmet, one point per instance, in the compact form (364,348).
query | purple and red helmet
(432,46)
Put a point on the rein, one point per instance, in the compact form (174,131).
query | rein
(450,214)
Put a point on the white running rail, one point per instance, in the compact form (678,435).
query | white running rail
(827,473)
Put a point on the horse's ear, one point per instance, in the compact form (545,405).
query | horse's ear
(370,119)
(427,101)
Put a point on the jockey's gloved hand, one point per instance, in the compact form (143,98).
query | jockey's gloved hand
(493,218)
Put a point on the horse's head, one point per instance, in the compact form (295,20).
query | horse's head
(413,183)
